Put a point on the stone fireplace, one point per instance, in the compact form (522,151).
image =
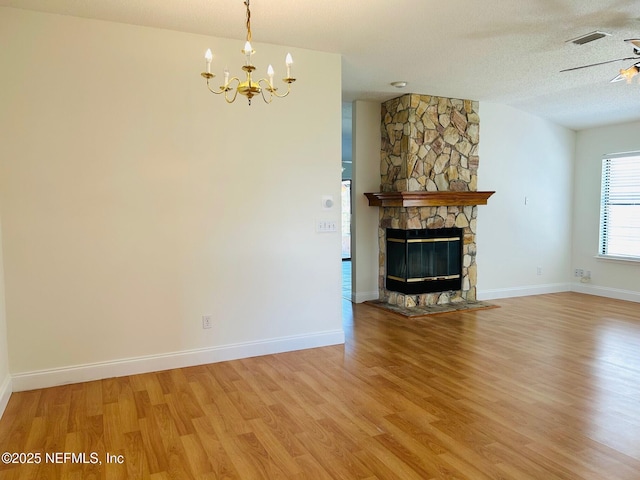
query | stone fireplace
(429,177)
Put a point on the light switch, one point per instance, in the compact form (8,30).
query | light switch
(326,226)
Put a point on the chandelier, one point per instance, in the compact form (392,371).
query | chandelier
(249,88)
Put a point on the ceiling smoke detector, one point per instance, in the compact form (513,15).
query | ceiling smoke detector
(589,37)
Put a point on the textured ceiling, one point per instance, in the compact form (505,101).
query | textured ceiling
(508,52)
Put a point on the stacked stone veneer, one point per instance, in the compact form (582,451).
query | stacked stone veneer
(430,143)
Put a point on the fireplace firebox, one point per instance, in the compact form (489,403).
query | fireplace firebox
(424,261)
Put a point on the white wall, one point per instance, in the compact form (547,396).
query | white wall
(523,157)
(366,165)
(134,201)
(609,278)
(5,378)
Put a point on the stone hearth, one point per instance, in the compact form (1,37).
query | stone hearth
(429,310)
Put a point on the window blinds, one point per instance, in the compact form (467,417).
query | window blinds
(620,206)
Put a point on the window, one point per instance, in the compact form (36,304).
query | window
(620,206)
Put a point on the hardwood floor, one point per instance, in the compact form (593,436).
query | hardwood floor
(545,387)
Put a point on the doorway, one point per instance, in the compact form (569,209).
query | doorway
(346,220)
(346,239)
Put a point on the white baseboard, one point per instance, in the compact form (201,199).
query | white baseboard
(616,293)
(5,393)
(494,294)
(359,297)
(188,358)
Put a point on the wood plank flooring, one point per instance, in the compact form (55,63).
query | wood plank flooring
(545,387)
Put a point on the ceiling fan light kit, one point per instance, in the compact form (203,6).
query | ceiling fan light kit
(628,73)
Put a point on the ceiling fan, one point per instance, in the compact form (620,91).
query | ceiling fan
(626,73)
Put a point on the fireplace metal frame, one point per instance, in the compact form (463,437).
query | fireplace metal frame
(412,285)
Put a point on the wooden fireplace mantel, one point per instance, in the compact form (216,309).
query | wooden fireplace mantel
(427,199)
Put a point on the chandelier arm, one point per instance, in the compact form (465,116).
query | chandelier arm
(266,86)
(222,88)
(217,92)
(266,100)
(233,99)
(227,88)
(288,81)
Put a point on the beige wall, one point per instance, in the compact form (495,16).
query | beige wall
(134,202)
(5,379)
(366,178)
(610,278)
(523,158)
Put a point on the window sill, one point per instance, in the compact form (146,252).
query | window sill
(613,258)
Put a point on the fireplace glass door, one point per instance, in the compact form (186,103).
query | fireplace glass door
(424,261)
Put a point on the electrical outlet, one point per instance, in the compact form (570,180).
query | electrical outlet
(539,271)
(206,321)
(578,272)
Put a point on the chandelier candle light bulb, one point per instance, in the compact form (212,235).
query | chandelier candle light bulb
(247,49)
(208,56)
(289,61)
(249,88)
(270,73)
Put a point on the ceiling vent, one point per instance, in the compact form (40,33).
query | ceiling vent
(589,37)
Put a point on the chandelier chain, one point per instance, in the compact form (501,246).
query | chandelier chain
(248,21)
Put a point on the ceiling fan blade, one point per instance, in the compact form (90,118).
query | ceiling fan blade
(636,44)
(596,64)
